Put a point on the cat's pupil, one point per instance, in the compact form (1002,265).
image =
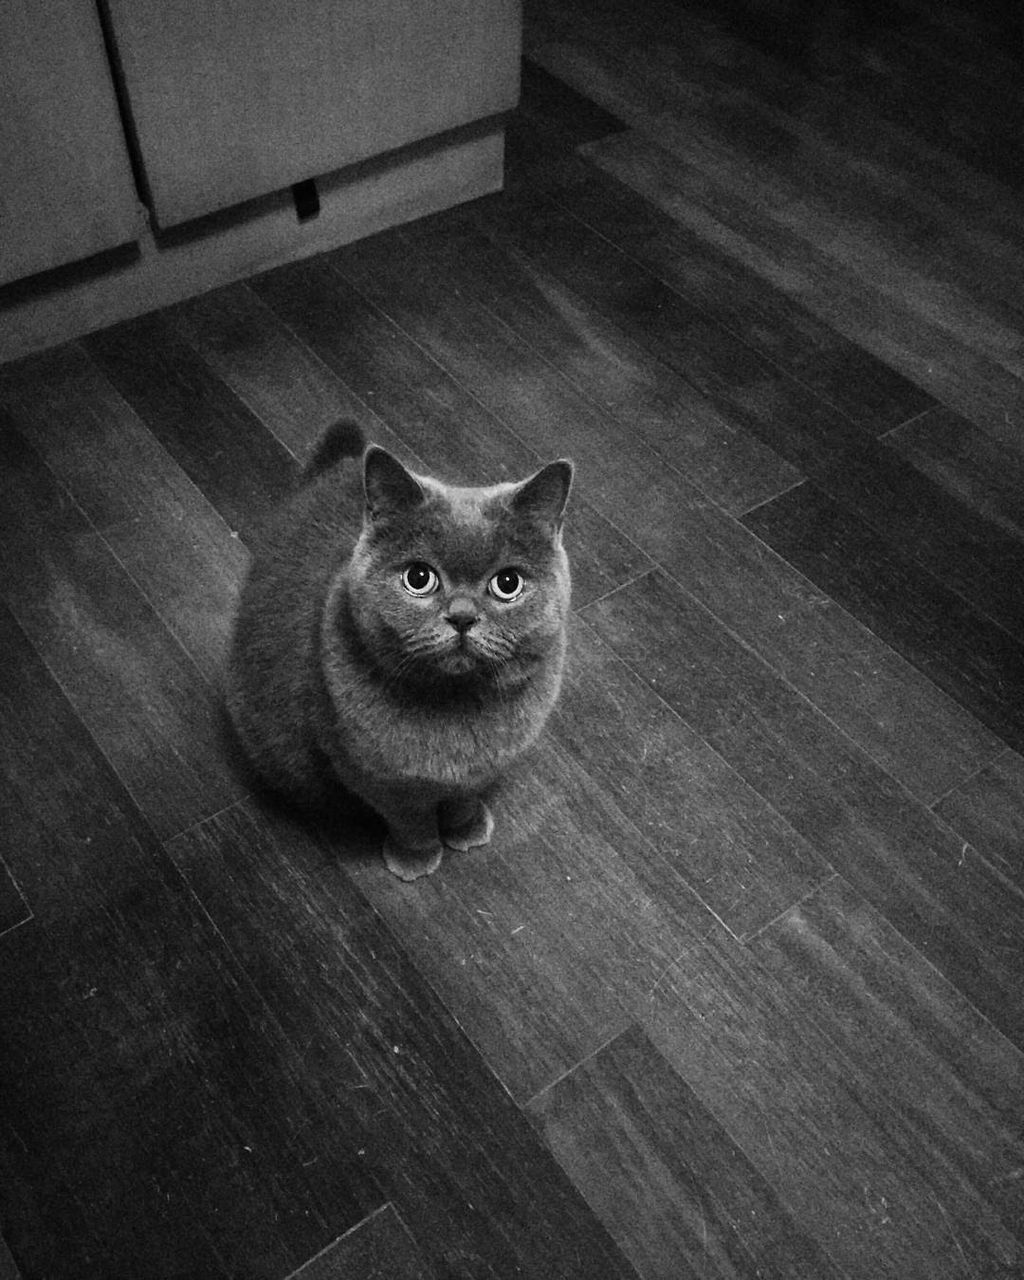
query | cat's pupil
(507,582)
(418,576)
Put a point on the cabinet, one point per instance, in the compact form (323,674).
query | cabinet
(232,99)
(66,188)
(393,108)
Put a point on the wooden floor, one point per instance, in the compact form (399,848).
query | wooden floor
(738,990)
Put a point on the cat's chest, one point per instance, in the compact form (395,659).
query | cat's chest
(459,745)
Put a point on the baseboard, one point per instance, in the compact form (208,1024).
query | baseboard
(166,268)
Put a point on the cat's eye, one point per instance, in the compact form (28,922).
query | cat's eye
(506,585)
(419,579)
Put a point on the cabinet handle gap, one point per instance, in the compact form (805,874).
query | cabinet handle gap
(307,200)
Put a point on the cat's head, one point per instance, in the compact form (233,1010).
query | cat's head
(459,584)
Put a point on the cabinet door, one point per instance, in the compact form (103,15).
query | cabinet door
(66,188)
(232,99)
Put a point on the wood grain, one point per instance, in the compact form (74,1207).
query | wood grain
(276,376)
(177,549)
(151,1122)
(400,1087)
(707,824)
(734,296)
(875,217)
(874,995)
(738,382)
(979,558)
(930,884)
(217,442)
(967,655)
(840,1146)
(545,943)
(981,472)
(457,262)
(869,213)
(677,1193)
(948,366)
(142,699)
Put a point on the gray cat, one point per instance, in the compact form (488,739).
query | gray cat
(406,640)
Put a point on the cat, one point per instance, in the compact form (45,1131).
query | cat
(404,637)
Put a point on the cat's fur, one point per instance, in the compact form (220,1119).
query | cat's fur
(416,703)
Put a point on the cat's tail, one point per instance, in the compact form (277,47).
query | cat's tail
(341,440)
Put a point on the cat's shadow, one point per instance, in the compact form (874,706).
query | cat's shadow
(340,822)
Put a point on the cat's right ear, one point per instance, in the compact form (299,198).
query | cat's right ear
(389,488)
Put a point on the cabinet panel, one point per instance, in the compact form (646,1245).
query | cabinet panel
(233,99)
(66,188)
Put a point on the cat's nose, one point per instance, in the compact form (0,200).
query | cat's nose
(462,615)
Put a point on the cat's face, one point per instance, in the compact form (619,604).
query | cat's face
(453,583)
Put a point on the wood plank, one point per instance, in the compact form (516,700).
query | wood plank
(409,391)
(174,545)
(140,696)
(289,388)
(837,663)
(729,214)
(712,829)
(544,944)
(978,558)
(396,1077)
(851,199)
(988,810)
(664,1176)
(826,1121)
(928,882)
(899,68)
(292,392)
(889,1013)
(153,1122)
(380,1248)
(131,1149)
(740,384)
(732,295)
(431,412)
(618,377)
(967,655)
(227,453)
(980,472)
(41,1214)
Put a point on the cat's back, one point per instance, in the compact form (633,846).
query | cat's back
(272,665)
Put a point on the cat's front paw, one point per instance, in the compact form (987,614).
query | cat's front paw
(410,864)
(466,826)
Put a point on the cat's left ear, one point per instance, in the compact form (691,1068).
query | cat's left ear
(543,497)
